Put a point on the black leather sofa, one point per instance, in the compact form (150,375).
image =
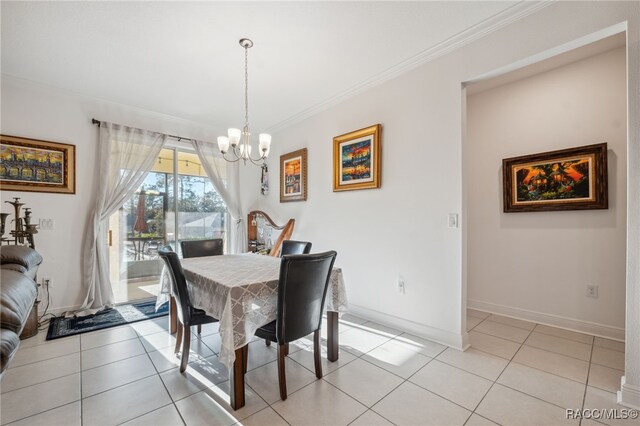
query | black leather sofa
(18,293)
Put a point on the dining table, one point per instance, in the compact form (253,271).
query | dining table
(242,292)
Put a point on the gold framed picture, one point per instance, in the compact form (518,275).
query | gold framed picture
(567,179)
(37,166)
(293,176)
(357,159)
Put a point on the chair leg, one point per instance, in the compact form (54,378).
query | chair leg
(267,342)
(178,336)
(282,379)
(286,349)
(199,328)
(317,349)
(186,343)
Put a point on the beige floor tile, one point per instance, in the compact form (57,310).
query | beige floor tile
(360,341)
(380,329)
(545,386)
(371,418)
(474,361)
(472,322)
(559,345)
(106,337)
(320,403)
(155,325)
(181,385)
(512,322)
(350,319)
(39,398)
(509,407)
(609,344)
(608,357)
(111,353)
(449,382)
(605,378)
(399,357)
(305,358)
(157,341)
(67,415)
(133,400)
(165,416)
(364,381)
(426,408)
(566,334)
(165,359)
(41,338)
(503,331)
(551,362)
(264,380)
(39,353)
(38,372)
(260,354)
(476,420)
(423,346)
(603,400)
(116,374)
(263,418)
(477,314)
(493,345)
(212,341)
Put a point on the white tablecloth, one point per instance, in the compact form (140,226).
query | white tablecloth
(242,292)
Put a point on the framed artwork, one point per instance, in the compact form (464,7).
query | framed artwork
(356,159)
(293,176)
(37,166)
(568,179)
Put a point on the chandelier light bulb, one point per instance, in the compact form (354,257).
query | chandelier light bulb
(234,136)
(223,144)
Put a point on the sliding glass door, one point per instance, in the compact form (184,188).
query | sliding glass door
(175,202)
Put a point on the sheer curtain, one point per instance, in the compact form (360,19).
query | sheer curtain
(125,157)
(228,186)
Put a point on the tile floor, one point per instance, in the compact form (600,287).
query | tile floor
(516,373)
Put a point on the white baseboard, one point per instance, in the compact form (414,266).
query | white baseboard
(456,341)
(629,396)
(600,330)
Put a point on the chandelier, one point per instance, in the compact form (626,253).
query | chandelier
(239,139)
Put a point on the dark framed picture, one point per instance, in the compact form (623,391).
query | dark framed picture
(568,179)
(293,176)
(356,159)
(37,166)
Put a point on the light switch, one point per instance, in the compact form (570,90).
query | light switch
(453,220)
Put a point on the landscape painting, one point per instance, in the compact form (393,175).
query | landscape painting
(293,176)
(560,180)
(33,165)
(357,159)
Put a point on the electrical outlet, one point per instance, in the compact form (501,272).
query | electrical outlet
(592,291)
(401,286)
(47,282)
(47,224)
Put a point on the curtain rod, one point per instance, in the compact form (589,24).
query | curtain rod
(179,138)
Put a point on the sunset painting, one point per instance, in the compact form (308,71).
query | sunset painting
(356,161)
(566,179)
(22,164)
(292,176)
(563,179)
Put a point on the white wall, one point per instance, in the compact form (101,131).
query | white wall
(39,112)
(537,265)
(401,228)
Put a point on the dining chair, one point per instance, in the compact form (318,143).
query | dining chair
(302,289)
(295,247)
(199,248)
(187,314)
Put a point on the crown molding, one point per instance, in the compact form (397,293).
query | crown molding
(475,32)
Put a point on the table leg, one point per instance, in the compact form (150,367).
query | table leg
(173,315)
(236,379)
(332,336)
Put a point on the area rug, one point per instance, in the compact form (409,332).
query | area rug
(119,315)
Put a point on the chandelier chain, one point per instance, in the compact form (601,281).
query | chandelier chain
(246,86)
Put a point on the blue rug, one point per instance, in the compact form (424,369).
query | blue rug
(119,315)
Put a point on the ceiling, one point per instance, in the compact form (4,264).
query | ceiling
(183,59)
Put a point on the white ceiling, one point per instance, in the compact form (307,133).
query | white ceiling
(183,58)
